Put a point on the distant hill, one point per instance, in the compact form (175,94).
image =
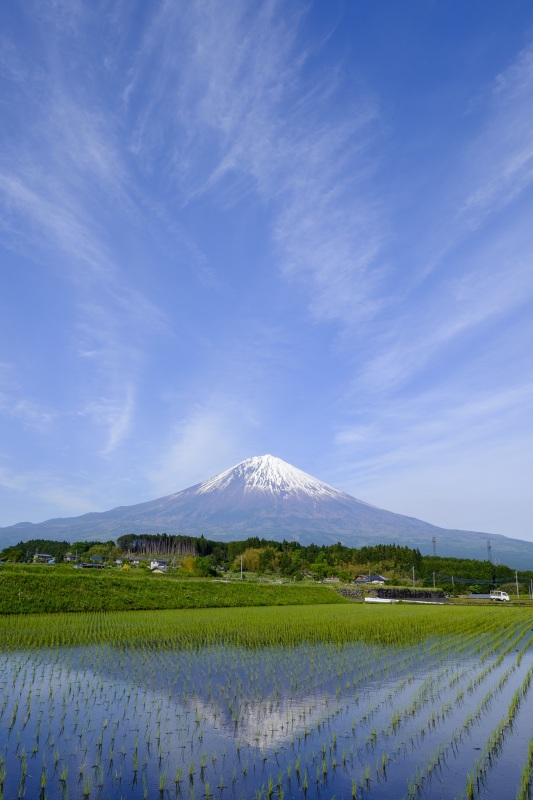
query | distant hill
(264,496)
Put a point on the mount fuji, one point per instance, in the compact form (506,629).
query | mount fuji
(266,497)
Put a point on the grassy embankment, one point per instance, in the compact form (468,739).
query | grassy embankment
(33,589)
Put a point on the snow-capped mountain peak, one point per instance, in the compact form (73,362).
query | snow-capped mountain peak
(266,497)
(268,474)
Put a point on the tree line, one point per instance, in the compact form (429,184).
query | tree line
(289,559)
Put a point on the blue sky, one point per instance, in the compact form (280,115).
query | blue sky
(237,228)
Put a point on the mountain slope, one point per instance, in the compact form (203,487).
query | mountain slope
(264,496)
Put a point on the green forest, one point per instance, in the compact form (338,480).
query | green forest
(288,560)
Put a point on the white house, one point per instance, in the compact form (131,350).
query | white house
(158,565)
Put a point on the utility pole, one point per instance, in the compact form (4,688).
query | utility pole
(434,541)
(413,568)
(516,579)
(241,567)
(433,580)
(489,550)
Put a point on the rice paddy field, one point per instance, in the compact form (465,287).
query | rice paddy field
(318,702)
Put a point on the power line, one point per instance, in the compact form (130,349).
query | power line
(455,579)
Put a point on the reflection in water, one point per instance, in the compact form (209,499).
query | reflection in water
(127,722)
(265,724)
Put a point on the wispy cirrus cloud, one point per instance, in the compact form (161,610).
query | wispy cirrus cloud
(440,418)
(484,289)
(114,414)
(107,309)
(243,111)
(474,272)
(64,185)
(464,438)
(501,157)
(202,443)
(25,410)
(54,494)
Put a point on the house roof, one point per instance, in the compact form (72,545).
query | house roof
(370,579)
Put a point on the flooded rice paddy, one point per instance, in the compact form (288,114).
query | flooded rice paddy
(448,716)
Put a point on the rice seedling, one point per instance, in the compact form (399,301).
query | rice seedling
(145,697)
(524,790)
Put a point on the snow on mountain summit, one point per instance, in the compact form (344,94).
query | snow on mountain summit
(266,497)
(268,474)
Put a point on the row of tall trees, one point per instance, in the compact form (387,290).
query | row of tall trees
(161,544)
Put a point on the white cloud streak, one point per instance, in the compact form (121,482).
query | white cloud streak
(114,414)
(414,455)
(244,98)
(502,156)
(481,274)
(62,180)
(202,444)
(55,495)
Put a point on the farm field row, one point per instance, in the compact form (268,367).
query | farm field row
(344,701)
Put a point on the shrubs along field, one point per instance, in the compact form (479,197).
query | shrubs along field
(344,701)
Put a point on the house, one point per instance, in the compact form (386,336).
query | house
(43,558)
(376,579)
(70,558)
(158,565)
